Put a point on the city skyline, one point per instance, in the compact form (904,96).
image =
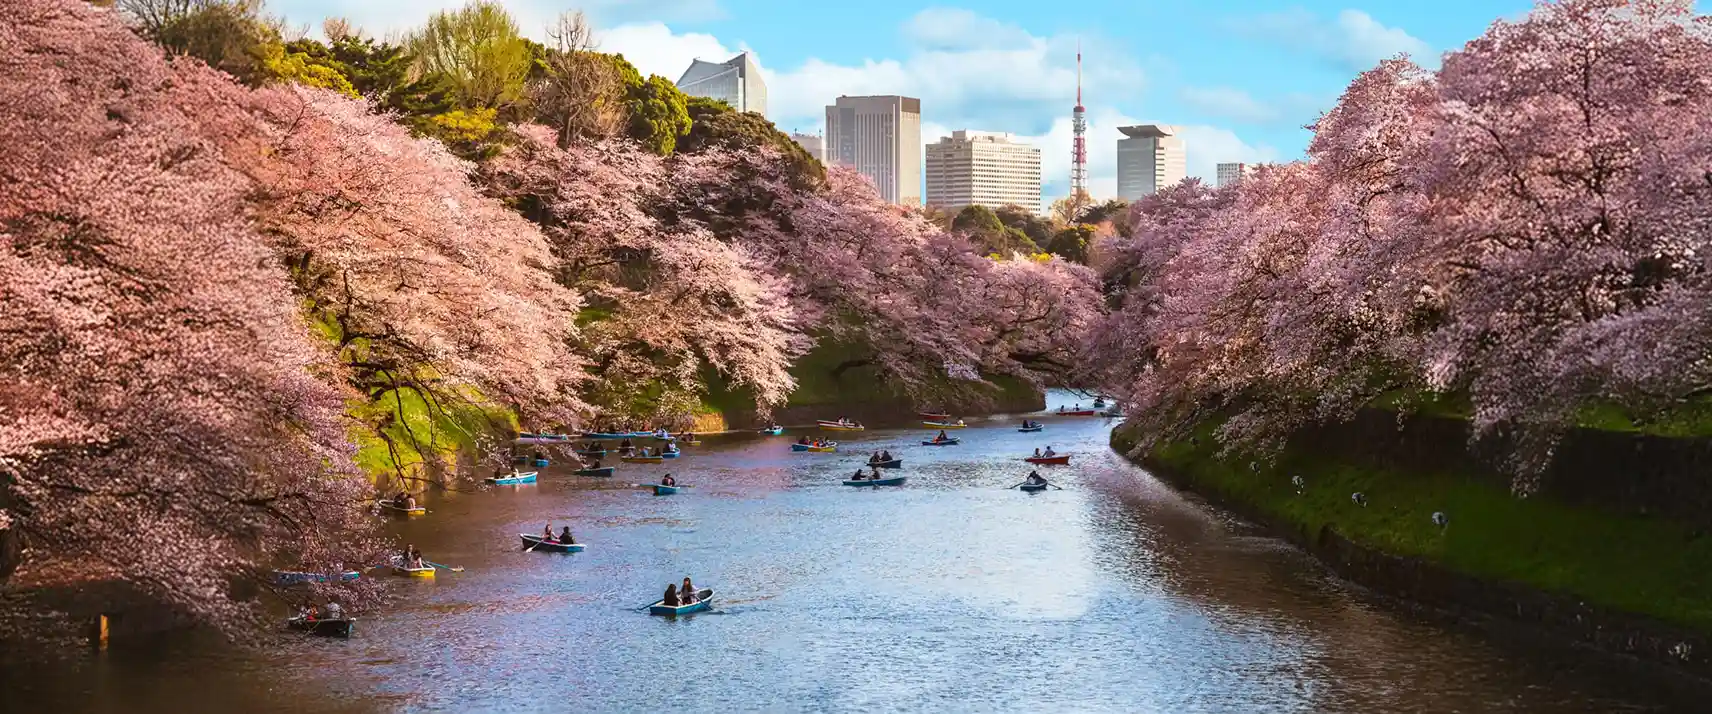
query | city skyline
(1011,65)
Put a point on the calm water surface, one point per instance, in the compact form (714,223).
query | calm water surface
(949,594)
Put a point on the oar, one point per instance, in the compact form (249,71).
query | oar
(532,546)
(448,567)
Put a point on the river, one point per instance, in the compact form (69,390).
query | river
(949,594)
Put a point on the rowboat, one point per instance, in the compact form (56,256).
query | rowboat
(325,628)
(830,446)
(593,452)
(426,571)
(1059,459)
(397,510)
(674,453)
(944,425)
(893,481)
(661,490)
(542,463)
(773,431)
(704,600)
(641,459)
(934,417)
(689,440)
(1027,429)
(608,435)
(1032,487)
(535,542)
(522,478)
(291,577)
(602,471)
(839,426)
(1079,412)
(897,463)
(528,438)
(947,442)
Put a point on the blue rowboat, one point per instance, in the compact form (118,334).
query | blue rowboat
(897,463)
(542,463)
(773,431)
(602,471)
(542,437)
(670,454)
(799,447)
(1032,487)
(947,442)
(592,452)
(291,577)
(704,600)
(540,544)
(893,481)
(515,480)
(608,435)
(660,490)
(1031,428)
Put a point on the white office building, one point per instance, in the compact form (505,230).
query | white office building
(1232,173)
(1151,157)
(736,81)
(880,137)
(982,169)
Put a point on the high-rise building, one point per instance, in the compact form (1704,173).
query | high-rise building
(1151,158)
(811,143)
(983,169)
(880,137)
(736,81)
(1232,173)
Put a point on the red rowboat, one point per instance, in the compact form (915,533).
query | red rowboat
(1060,459)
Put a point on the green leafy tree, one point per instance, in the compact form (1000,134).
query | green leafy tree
(658,115)
(1037,228)
(235,37)
(983,226)
(1071,243)
(714,124)
(479,49)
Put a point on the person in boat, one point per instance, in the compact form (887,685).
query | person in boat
(859,475)
(625,444)
(942,436)
(1037,452)
(667,480)
(1049,453)
(334,612)
(596,464)
(671,598)
(876,475)
(565,537)
(412,556)
(804,440)
(1034,478)
(687,593)
(547,533)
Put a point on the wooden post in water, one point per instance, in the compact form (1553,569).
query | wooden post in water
(100,633)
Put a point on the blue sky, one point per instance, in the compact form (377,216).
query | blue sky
(1240,76)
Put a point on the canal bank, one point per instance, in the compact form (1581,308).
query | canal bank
(1621,580)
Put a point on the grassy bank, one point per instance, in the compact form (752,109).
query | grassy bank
(1644,566)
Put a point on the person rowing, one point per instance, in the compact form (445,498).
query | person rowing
(625,444)
(885,455)
(1035,479)
(942,436)
(667,480)
(1049,453)
(565,537)
(859,476)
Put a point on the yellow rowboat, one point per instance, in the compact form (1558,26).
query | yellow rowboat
(944,425)
(424,572)
(823,449)
(642,459)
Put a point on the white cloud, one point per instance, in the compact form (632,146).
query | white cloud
(1354,40)
(654,49)
(1295,109)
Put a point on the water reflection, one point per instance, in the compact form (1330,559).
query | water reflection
(952,593)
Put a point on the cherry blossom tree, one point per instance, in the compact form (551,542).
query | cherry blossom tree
(164,418)
(667,298)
